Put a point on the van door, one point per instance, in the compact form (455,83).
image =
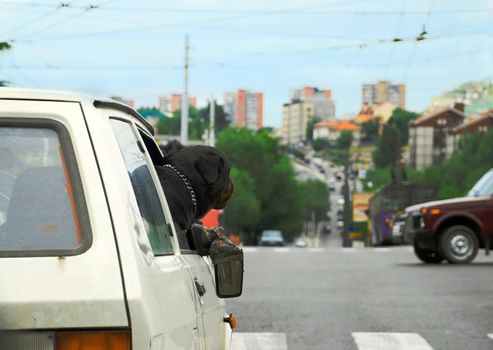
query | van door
(161,295)
(213,308)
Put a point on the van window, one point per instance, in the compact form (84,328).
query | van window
(38,210)
(150,208)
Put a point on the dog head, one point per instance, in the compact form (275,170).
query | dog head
(207,168)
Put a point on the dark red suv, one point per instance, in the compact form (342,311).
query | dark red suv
(453,229)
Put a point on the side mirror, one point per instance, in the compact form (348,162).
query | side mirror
(228,267)
(229,275)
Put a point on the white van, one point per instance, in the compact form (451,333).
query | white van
(89,257)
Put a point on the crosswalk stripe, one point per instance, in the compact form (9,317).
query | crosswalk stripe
(349,250)
(281,250)
(259,341)
(316,250)
(390,341)
(381,250)
(490,335)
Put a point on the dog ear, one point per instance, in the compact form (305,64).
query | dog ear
(208,166)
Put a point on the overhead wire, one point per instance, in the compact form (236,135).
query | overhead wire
(411,57)
(397,32)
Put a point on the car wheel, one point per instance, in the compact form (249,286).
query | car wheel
(427,255)
(459,244)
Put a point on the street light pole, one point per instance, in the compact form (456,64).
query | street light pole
(347,208)
(184,100)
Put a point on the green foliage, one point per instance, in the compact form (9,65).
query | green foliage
(400,119)
(369,132)
(309,127)
(260,156)
(170,125)
(315,199)
(5,46)
(198,121)
(345,139)
(150,112)
(221,119)
(388,150)
(243,211)
(321,145)
(456,176)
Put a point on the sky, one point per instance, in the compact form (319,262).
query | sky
(136,49)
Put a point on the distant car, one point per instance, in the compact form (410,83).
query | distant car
(300,242)
(398,225)
(340,201)
(327,228)
(271,238)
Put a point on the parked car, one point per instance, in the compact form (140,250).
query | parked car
(453,229)
(271,238)
(88,249)
(300,242)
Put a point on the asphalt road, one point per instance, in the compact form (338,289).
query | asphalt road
(327,298)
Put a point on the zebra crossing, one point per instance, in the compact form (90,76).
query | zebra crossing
(362,341)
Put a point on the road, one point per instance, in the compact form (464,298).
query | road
(334,298)
(325,298)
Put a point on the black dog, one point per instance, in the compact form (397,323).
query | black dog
(195,179)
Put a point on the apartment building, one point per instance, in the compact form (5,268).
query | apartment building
(171,103)
(245,108)
(305,103)
(384,91)
(428,136)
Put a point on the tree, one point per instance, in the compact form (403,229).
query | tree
(4,46)
(369,131)
(315,198)
(400,119)
(221,119)
(388,147)
(310,126)
(260,156)
(345,139)
(150,112)
(243,211)
(172,125)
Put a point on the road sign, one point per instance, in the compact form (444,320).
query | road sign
(361,201)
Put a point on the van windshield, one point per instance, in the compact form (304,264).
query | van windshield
(484,187)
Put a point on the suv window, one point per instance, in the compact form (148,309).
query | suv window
(150,208)
(38,192)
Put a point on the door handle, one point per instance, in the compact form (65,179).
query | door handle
(200,287)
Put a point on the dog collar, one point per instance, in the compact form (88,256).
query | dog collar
(187,184)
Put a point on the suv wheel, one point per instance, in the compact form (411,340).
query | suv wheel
(459,244)
(427,255)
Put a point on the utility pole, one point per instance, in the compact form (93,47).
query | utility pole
(347,208)
(212,121)
(184,99)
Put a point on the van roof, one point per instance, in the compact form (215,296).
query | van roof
(65,96)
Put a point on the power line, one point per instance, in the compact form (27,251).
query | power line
(258,12)
(397,32)
(65,20)
(425,25)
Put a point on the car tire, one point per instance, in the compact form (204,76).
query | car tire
(428,256)
(459,244)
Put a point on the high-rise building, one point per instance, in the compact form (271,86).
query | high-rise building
(170,103)
(245,108)
(305,104)
(384,91)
